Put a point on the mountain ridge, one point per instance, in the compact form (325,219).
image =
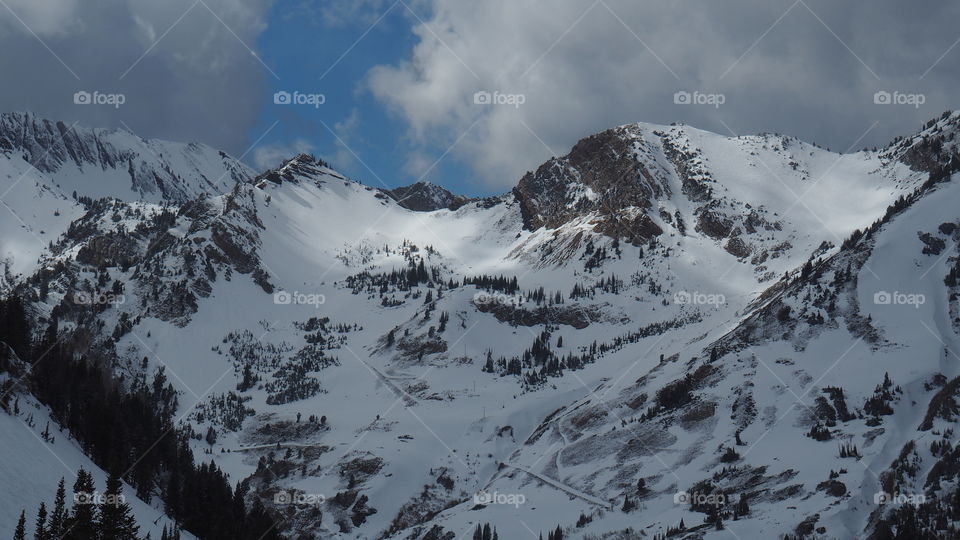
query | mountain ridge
(549,343)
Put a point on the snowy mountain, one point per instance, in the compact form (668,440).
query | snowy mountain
(45,166)
(426,197)
(115,163)
(666,332)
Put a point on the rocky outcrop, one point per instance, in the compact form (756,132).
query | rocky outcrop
(602,177)
(426,197)
(301,166)
(158,170)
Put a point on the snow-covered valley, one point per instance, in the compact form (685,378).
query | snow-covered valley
(665,333)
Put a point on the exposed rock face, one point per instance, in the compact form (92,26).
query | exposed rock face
(714,224)
(577,317)
(303,165)
(426,197)
(601,175)
(173,271)
(933,148)
(158,170)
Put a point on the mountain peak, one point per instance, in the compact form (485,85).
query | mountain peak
(301,165)
(426,197)
(724,293)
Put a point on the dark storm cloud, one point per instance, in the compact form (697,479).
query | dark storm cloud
(198,82)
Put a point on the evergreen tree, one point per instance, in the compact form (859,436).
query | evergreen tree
(743,506)
(81,524)
(116,519)
(14,327)
(55,529)
(488,365)
(86,399)
(211,437)
(40,532)
(21,532)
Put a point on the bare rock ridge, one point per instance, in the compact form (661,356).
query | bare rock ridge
(426,197)
(156,170)
(601,175)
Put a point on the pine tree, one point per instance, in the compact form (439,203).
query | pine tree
(21,532)
(40,532)
(641,486)
(743,507)
(116,519)
(14,327)
(488,365)
(211,437)
(55,529)
(173,500)
(81,524)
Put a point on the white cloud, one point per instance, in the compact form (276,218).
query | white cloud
(343,157)
(585,66)
(271,156)
(42,17)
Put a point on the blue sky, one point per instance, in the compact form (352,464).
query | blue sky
(303,50)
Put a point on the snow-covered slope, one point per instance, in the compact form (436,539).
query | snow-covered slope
(651,306)
(45,166)
(34,465)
